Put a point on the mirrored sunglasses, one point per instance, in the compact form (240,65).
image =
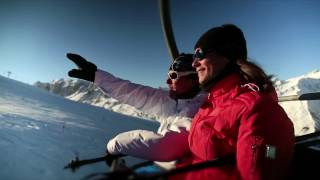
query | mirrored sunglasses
(199,54)
(175,75)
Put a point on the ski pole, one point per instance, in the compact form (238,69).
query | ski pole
(76,163)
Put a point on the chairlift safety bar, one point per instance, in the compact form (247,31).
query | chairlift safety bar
(307,96)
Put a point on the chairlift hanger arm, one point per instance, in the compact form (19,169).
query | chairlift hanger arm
(167,28)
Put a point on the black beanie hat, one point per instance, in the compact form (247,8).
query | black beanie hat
(227,40)
(183,63)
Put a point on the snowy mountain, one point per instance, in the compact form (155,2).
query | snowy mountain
(86,92)
(304,114)
(41,132)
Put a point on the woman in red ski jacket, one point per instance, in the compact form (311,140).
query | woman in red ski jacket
(240,117)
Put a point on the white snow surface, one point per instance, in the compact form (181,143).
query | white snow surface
(40,133)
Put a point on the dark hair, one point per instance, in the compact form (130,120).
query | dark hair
(228,40)
(251,72)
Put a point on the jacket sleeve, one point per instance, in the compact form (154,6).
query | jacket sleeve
(151,146)
(148,99)
(265,142)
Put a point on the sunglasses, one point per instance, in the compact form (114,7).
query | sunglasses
(175,75)
(199,54)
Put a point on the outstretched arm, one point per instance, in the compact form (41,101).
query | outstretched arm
(150,100)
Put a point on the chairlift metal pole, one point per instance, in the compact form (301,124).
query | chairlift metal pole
(307,96)
(167,28)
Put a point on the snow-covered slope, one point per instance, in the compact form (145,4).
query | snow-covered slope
(304,114)
(41,132)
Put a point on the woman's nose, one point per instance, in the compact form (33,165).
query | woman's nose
(169,81)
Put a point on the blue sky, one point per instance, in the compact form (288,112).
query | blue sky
(124,37)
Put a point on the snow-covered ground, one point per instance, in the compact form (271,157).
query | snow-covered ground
(41,132)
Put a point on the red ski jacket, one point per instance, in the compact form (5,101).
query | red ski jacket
(238,119)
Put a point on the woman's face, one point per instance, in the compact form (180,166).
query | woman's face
(209,66)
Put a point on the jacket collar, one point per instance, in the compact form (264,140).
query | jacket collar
(225,85)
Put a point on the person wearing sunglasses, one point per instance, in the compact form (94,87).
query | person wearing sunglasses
(240,117)
(174,108)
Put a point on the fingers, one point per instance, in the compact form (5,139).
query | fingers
(76,73)
(86,70)
(82,74)
(77,59)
